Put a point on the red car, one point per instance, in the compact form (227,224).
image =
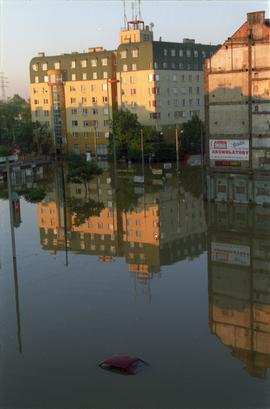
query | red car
(124,364)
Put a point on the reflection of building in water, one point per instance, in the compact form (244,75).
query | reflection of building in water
(239,283)
(161,228)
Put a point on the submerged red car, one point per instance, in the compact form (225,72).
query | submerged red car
(125,364)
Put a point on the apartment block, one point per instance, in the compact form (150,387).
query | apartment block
(237,114)
(75,94)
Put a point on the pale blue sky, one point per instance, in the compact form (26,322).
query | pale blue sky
(58,26)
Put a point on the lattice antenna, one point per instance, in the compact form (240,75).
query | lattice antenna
(3,85)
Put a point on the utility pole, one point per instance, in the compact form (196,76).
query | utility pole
(177,148)
(142,149)
(16,286)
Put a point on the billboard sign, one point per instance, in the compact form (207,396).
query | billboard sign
(229,253)
(229,149)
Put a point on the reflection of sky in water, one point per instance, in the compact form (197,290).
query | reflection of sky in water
(74,316)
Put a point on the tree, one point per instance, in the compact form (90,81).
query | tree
(81,171)
(82,209)
(191,136)
(15,123)
(127,134)
(41,137)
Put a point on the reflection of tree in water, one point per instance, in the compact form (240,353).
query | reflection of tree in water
(32,195)
(82,209)
(191,180)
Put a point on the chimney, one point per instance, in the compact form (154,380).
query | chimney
(41,54)
(257,17)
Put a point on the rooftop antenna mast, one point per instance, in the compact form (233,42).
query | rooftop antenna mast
(3,85)
(125,14)
(139,7)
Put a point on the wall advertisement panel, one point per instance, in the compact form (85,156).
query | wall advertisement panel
(229,149)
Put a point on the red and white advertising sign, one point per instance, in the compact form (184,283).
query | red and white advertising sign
(230,253)
(229,149)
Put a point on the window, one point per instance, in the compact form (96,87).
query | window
(175,90)
(95,111)
(73,100)
(181,66)
(44,66)
(133,91)
(46,101)
(87,147)
(75,134)
(76,149)
(198,101)
(94,100)
(57,65)
(198,77)
(73,77)
(157,77)
(132,79)
(135,53)
(190,77)
(104,87)
(86,135)
(104,99)
(188,53)
(181,53)
(165,52)
(123,54)
(173,53)
(151,77)
(36,79)
(175,102)
(134,67)
(95,123)
(85,111)
(164,65)
(73,64)
(73,111)
(197,90)
(190,90)
(105,75)
(183,102)
(125,68)
(84,76)
(105,111)
(46,78)
(93,87)
(83,63)
(133,104)
(106,122)
(94,62)
(94,75)
(203,54)
(155,65)
(72,88)
(83,89)
(190,102)
(173,65)
(84,100)
(85,123)
(36,101)
(196,54)
(46,113)
(35,67)
(183,90)
(37,114)
(104,61)
(189,67)
(174,77)
(74,123)
(155,90)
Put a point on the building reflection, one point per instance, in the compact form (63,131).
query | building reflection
(149,227)
(239,282)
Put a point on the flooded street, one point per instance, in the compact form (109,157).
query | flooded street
(150,270)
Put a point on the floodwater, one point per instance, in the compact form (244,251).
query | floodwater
(147,270)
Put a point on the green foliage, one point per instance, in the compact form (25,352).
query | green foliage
(84,209)
(4,150)
(191,136)
(127,133)
(42,138)
(81,171)
(16,123)
(34,194)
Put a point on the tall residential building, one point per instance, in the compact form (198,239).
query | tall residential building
(237,87)
(75,94)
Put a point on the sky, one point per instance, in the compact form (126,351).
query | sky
(62,26)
